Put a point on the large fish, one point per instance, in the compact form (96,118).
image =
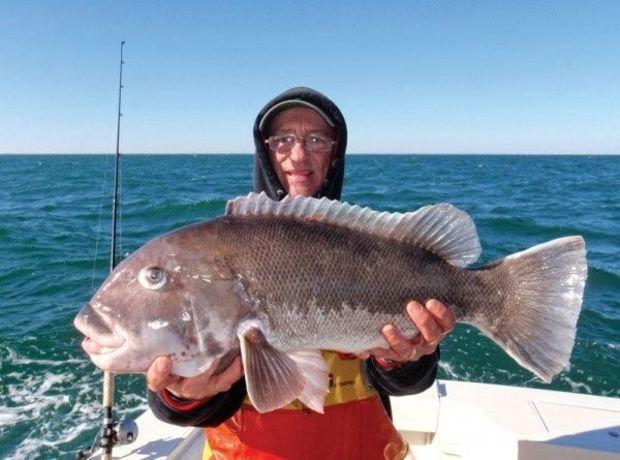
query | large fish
(279,281)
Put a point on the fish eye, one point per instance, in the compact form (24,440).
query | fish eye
(152,278)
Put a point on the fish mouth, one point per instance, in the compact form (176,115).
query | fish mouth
(95,348)
(100,337)
(107,358)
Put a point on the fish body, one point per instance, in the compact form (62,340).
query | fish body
(279,281)
(317,285)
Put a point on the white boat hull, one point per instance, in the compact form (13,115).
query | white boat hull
(456,420)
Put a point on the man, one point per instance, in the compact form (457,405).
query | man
(300,139)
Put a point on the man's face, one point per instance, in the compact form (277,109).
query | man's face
(301,172)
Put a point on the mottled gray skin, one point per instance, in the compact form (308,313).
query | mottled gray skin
(311,285)
(318,285)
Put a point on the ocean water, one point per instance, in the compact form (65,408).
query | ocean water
(55,237)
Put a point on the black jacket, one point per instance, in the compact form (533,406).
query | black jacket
(410,378)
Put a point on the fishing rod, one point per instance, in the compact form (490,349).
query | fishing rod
(112,432)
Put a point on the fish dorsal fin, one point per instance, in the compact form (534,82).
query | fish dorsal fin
(442,228)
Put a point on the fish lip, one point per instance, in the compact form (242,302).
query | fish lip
(108,340)
(108,359)
(94,348)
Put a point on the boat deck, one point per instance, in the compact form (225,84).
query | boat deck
(456,420)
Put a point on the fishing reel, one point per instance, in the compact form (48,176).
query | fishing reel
(116,434)
(126,431)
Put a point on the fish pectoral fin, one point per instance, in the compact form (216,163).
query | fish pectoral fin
(274,378)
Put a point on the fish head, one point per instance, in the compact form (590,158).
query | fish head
(169,298)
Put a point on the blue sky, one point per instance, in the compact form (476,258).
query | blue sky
(416,76)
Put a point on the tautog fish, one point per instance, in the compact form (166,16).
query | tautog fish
(279,281)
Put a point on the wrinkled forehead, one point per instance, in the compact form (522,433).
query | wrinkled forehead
(302,119)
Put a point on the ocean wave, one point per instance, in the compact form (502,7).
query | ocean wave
(172,212)
(602,277)
(60,397)
(531,227)
(577,387)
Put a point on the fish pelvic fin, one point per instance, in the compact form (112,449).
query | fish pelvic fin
(543,291)
(441,229)
(315,378)
(275,378)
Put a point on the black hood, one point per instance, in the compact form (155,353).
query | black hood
(265,178)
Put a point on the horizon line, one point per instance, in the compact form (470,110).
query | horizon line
(348,153)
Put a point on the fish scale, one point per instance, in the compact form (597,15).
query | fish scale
(370,275)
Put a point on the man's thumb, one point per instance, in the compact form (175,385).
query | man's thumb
(158,374)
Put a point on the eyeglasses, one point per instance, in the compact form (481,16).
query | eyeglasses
(314,143)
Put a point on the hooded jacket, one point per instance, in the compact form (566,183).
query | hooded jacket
(409,378)
(265,179)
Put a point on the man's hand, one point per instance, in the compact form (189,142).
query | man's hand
(201,386)
(433,322)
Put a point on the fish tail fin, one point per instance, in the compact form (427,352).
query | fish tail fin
(541,291)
